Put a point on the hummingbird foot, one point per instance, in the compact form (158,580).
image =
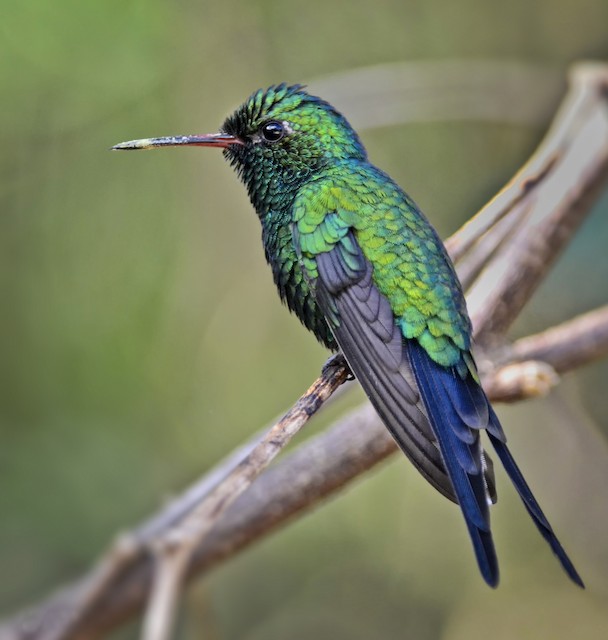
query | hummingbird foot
(337,361)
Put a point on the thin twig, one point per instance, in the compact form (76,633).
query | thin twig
(521,380)
(317,469)
(76,602)
(473,262)
(179,507)
(587,82)
(512,194)
(557,210)
(175,548)
(530,366)
(568,345)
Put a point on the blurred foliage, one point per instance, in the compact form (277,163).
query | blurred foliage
(142,338)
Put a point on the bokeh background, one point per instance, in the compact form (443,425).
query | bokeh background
(141,338)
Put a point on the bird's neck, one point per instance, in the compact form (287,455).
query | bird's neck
(274,190)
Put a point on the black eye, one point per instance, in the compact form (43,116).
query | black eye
(272,131)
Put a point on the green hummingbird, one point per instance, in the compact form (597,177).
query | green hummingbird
(363,269)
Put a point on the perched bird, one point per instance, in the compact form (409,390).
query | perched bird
(363,269)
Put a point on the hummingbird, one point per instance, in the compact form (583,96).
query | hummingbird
(364,270)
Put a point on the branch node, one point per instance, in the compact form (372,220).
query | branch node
(522,380)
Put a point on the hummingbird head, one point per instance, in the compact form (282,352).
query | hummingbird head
(276,140)
(290,130)
(286,135)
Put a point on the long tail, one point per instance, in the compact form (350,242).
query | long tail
(396,374)
(457,412)
(531,504)
(459,409)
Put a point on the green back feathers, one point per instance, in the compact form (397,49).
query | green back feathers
(411,268)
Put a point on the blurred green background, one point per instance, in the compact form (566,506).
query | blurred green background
(142,339)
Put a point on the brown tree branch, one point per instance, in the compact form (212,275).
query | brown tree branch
(576,154)
(568,345)
(317,469)
(478,255)
(174,548)
(551,202)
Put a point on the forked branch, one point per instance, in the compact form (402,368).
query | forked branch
(503,254)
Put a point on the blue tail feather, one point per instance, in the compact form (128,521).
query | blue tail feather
(467,479)
(458,409)
(469,400)
(533,507)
